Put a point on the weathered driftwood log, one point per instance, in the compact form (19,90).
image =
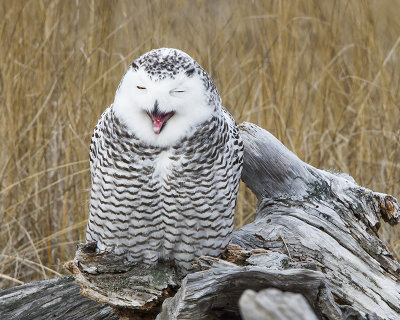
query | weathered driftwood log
(51,299)
(315,233)
(321,218)
(215,292)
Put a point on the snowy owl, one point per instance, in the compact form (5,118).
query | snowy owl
(165,163)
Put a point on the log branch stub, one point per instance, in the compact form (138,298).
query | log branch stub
(274,304)
(133,291)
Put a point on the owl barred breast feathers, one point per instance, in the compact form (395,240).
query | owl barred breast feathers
(165,163)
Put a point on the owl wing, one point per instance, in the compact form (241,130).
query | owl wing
(93,156)
(236,140)
(96,141)
(233,130)
(228,117)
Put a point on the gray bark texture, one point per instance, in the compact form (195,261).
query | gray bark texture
(313,252)
(274,304)
(51,299)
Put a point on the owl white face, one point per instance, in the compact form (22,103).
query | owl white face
(160,112)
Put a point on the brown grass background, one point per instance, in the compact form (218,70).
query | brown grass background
(322,76)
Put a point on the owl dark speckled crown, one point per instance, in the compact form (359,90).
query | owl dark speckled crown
(167,63)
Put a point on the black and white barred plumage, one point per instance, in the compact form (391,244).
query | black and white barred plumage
(165,161)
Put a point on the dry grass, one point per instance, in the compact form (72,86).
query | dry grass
(322,76)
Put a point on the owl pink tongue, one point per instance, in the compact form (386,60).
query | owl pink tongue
(159,119)
(157,125)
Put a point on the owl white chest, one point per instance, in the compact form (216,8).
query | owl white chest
(163,166)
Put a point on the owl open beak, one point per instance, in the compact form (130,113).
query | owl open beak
(159,119)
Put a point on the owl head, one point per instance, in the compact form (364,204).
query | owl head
(164,96)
